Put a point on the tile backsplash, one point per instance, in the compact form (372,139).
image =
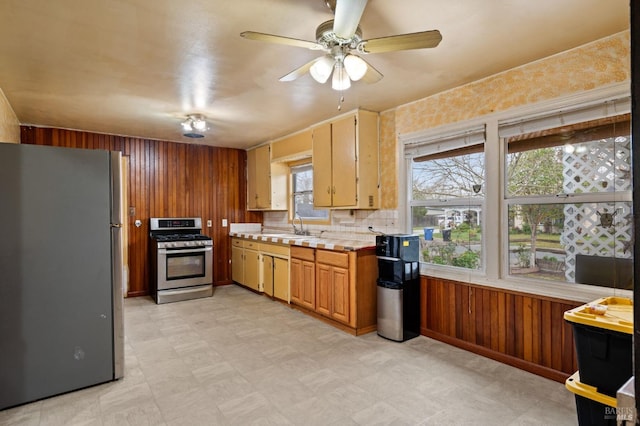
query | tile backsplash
(351,224)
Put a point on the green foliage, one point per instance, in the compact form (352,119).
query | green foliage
(445,254)
(523,256)
(535,172)
(463,227)
(469,259)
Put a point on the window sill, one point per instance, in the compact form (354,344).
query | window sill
(580,293)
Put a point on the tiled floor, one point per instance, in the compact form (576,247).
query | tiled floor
(238,358)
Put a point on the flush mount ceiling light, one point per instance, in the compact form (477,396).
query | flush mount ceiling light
(194,126)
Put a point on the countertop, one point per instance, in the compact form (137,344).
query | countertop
(336,244)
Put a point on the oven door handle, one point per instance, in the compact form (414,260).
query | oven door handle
(183,250)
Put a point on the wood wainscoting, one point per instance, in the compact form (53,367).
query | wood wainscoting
(168,179)
(523,330)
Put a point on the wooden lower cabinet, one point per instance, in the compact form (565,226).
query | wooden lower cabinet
(337,286)
(303,278)
(237,262)
(245,263)
(281,279)
(252,269)
(333,296)
(267,275)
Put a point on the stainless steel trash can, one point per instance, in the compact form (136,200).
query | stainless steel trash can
(390,302)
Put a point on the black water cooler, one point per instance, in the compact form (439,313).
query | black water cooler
(398,287)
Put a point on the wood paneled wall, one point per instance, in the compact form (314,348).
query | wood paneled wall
(523,330)
(168,179)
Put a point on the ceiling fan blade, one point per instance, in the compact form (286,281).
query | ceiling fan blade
(348,14)
(421,40)
(372,75)
(299,72)
(252,35)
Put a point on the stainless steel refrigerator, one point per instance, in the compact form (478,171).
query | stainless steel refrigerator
(61,317)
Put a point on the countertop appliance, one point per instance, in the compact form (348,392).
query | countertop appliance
(182,259)
(398,287)
(61,297)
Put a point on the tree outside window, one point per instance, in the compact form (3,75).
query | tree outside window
(446,207)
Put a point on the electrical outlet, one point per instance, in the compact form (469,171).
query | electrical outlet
(209,224)
(224,223)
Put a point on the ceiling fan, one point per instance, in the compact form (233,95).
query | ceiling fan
(339,38)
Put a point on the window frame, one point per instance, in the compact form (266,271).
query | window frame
(303,165)
(494,215)
(574,198)
(472,140)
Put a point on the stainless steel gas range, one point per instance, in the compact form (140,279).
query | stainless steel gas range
(182,260)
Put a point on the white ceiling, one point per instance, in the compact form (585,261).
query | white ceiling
(137,67)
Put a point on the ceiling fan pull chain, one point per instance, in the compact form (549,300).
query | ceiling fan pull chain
(341,101)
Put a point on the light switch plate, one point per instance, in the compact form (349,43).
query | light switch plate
(224,223)
(209,224)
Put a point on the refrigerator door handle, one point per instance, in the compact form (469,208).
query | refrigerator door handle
(117,265)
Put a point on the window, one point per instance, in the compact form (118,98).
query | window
(447,197)
(568,201)
(302,194)
(537,198)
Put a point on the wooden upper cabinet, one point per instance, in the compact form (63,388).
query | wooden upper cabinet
(293,147)
(266,181)
(263,177)
(322,169)
(346,162)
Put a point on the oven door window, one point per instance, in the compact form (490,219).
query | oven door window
(181,266)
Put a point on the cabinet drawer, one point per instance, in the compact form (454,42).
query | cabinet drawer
(332,258)
(237,242)
(274,249)
(253,245)
(303,253)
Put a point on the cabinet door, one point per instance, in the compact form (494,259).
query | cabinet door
(296,281)
(263,177)
(252,269)
(237,264)
(252,194)
(308,292)
(339,294)
(323,289)
(267,274)
(322,186)
(281,278)
(343,155)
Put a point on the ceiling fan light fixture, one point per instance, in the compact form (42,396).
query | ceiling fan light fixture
(355,66)
(340,79)
(321,69)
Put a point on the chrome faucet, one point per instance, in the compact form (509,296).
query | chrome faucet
(300,231)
